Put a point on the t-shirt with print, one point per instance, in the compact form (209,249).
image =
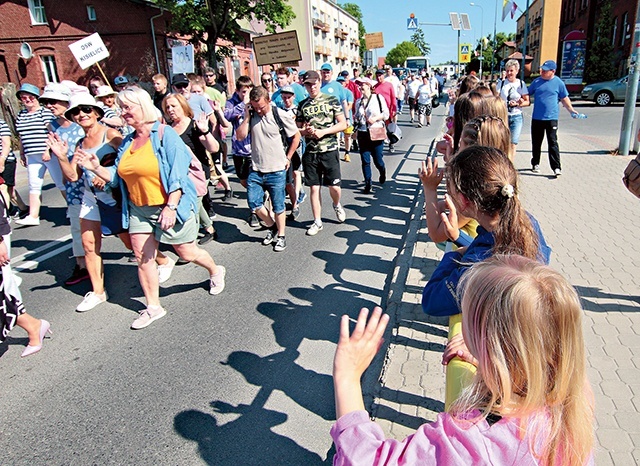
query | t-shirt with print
(6,132)
(320,113)
(32,129)
(71,135)
(512,91)
(267,152)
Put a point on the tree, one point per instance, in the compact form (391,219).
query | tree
(397,55)
(209,20)
(599,64)
(354,10)
(417,39)
(488,49)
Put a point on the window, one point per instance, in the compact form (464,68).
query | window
(49,69)
(91,13)
(36,11)
(625,26)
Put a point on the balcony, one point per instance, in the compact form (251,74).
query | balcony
(317,24)
(326,27)
(355,42)
(318,49)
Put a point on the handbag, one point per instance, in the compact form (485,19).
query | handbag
(394,133)
(377,133)
(631,177)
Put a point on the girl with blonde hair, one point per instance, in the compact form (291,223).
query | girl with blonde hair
(529,403)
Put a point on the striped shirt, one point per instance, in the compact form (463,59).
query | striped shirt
(33,132)
(5,132)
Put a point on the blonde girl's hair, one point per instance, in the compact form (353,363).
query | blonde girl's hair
(488,179)
(137,95)
(487,130)
(523,322)
(495,106)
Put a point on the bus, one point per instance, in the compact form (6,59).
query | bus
(416,64)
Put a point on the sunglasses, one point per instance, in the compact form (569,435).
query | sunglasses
(267,80)
(49,101)
(27,97)
(86,109)
(181,85)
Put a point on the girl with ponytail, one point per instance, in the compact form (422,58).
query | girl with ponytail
(482,184)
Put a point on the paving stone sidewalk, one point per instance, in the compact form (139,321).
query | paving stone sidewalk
(591,222)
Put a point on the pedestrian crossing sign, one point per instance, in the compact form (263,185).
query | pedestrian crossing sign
(412,23)
(465,53)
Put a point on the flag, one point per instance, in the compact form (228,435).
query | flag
(506,8)
(514,9)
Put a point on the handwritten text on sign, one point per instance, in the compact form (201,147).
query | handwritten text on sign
(277,48)
(89,50)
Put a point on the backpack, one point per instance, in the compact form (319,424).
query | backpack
(286,141)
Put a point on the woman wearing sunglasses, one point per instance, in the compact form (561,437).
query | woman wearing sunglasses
(159,200)
(267,82)
(31,126)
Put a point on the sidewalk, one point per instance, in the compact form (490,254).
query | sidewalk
(591,222)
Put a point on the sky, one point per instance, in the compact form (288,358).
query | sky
(390,18)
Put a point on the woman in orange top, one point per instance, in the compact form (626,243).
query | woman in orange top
(159,199)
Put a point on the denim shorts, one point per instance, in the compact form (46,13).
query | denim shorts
(273,183)
(515,126)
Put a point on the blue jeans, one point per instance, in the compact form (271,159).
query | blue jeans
(515,126)
(367,149)
(273,183)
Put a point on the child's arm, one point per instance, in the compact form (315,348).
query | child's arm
(353,356)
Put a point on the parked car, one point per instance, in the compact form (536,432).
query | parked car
(607,92)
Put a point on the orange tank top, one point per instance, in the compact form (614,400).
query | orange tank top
(141,172)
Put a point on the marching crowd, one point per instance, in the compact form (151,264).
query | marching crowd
(138,166)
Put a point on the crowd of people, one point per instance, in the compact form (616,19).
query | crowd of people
(139,166)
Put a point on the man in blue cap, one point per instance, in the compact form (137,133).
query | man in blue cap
(548,90)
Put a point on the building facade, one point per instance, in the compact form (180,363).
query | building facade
(583,15)
(35,37)
(543,31)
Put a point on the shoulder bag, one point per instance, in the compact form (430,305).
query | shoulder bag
(631,177)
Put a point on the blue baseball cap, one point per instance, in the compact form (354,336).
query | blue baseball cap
(287,89)
(549,65)
(326,67)
(29,89)
(120,80)
(340,79)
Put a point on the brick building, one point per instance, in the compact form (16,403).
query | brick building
(49,26)
(582,15)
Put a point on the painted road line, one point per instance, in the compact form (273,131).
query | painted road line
(44,247)
(32,264)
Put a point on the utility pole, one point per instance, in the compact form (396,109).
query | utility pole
(632,91)
(524,41)
(495,41)
(481,33)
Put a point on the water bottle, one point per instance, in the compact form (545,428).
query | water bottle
(579,116)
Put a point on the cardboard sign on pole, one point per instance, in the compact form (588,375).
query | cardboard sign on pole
(374,40)
(182,59)
(282,47)
(89,50)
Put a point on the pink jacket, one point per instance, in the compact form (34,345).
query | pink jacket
(447,441)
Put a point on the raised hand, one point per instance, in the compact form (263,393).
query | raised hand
(429,174)
(56,145)
(450,221)
(86,159)
(203,123)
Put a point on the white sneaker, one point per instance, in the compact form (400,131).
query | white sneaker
(340,213)
(91,300)
(314,229)
(216,283)
(28,221)
(164,270)
(147,316)
(557,172)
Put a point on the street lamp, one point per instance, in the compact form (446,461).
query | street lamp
(481,33)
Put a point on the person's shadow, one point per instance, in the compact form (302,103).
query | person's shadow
(247,440)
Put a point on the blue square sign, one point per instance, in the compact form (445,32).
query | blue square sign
(412,23)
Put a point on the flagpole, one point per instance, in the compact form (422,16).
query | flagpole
(524,41)
(495,41)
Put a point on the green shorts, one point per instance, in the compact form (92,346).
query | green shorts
(145,220)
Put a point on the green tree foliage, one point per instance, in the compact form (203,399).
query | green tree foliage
(354,10)
(488,49)
(599,64)
(417,38)
(208,20)
(397,55)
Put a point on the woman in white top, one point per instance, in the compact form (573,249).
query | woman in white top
(370,113)
(516,95)
(424,96)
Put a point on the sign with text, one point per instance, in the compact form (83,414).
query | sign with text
(465,53)
(89,51)
(573,55)
(282,47)
(182,59)
(374,40)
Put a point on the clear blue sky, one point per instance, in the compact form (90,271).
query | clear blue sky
(390,18)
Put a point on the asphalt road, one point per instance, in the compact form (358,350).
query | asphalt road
(239,378)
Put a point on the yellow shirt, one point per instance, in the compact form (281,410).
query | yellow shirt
(141,172)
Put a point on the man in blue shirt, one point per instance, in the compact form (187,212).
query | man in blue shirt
(548,90)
